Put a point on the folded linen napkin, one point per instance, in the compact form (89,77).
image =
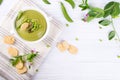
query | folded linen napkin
(7,28)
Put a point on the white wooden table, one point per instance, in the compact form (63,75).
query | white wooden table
(95,61)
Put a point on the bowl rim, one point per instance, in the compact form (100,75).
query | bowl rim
(47,29)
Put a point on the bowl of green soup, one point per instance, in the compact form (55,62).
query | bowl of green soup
(31,25)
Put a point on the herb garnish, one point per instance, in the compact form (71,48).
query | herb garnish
(16,59)
(33,23)
(24,58)
(34,26)
(94,12)
(111,10)
(31,56)
(84,5)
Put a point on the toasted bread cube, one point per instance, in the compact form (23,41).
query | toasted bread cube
(20,65)
(60,47)
(12,51)
(23,70)
(24,26)
(65,44)
(72,49)
(9,39)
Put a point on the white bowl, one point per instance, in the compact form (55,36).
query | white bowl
(47,29)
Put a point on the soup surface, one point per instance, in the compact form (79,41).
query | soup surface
(30,25)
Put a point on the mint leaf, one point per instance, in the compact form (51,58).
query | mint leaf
(104,22)
(89,18)
(116,10)
(107,8)
(15,60)
(96,12)
(84,5)
(112,8)
(31,56)
(111,35)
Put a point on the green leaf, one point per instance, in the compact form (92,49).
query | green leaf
(67,17)
(46,2)
(71,2)
(116,10)
(15,60)
(1,1)
(31,56)
(112,8)
(104,22)
(111,35)
(24,58)
(84,5)
(107,8)
(96,12)
(89,19)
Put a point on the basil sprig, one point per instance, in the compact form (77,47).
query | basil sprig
(24,58)
(14,61)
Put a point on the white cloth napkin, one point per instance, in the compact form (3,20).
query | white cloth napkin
(7,28)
